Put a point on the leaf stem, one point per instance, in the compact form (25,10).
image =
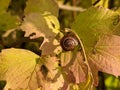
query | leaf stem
(86,60)
(84,53)
(71,8)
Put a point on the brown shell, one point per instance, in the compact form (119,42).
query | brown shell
(68,42)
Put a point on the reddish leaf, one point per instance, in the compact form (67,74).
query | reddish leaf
(106,57)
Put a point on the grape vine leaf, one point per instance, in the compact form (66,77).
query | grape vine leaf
(7,21)
(16,67)
(44,23)
(106,57)
(96,29)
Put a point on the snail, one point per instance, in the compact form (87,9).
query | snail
(69,42)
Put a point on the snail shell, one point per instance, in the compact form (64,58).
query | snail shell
(68,43)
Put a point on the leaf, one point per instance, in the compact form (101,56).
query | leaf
(52,22)
(106,57)
(16,67)
(44,23)
(39,26)
(89,31)
(109,82)
(7,21)
(99,38)
(75,71)
(103,3)
(74,62)
(47,74)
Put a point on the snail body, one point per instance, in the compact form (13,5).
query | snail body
(69,42)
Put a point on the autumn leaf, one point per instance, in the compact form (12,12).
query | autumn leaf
(97,29)
(44,21)
(106,57)
(48,75)
(16,67)
(75,71)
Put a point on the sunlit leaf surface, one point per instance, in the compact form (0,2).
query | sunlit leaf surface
(16,67)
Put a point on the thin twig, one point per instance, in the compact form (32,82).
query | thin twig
(71,8)
(74,12)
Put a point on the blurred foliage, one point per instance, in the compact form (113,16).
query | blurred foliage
(2,84)
(67,17)
(108,82)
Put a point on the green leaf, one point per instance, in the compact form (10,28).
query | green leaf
(94,23)
(109,79)
(7,21)
(16,67)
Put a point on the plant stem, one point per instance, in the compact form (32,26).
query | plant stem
(71,8)
(74,12)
